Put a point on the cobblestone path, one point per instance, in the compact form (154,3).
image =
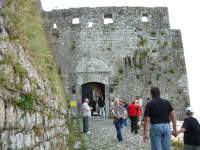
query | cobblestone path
(103,137)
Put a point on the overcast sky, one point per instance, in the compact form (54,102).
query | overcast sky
(183,15)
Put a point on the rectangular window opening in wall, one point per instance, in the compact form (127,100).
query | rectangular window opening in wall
(108,18)
(90,23)
(75,21)
(144,17)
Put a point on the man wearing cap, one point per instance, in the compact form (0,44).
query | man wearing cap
(157,112)
(191,129)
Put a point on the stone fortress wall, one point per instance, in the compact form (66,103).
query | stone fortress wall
(134,52)
(31,115)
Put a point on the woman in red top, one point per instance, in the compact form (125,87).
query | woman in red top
(133,114)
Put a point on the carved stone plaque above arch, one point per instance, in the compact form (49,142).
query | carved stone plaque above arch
(93,70)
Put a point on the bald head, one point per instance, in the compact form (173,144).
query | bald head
(86,100)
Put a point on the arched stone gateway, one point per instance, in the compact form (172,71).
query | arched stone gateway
(92,91)
(93,79)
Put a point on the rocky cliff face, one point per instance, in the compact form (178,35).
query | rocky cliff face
(31,115)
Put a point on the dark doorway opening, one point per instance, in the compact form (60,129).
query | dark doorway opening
(92,91)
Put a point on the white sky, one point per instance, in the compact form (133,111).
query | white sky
(183,15)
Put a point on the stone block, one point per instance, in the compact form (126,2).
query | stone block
(16,140)
(2,116)
(38,118)
(4,140)
(30,120)
(10,116)
(20,118)
(47,145)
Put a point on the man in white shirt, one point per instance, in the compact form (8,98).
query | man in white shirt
(86,112)
(140,103)
(139,100)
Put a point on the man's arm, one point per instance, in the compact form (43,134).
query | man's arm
(146,125)
(173,118)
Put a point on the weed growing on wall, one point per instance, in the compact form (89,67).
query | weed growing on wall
(153,34)
(26,102)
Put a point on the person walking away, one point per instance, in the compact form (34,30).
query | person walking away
(124,104)
(133,114)
(86,113)
(139,113)
(191,129)
(101,106)
(157,112)
(120,115)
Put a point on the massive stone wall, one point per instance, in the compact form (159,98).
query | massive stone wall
(134,52)
(31,114)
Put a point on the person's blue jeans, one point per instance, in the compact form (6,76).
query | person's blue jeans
(118,126)
(160,135)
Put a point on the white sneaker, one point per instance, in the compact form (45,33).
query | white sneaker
(88,132)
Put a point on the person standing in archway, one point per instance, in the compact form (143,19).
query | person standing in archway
(86,113)
(101,104)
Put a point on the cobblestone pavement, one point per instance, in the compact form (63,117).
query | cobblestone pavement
(104,136)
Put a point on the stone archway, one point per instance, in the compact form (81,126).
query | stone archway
(96,71)
(93,90)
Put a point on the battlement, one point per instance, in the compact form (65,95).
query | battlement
(138,18)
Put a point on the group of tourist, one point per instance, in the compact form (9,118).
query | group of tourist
(121,111)
(157,115)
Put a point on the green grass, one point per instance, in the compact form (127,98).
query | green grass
(75,136)
(80,135)
(142,42)
(72,139)
(27,102)
(23,21)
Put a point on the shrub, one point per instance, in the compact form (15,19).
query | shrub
(153,33)
(152,68)
(142,42)
(121,71)
(26,102)
(19,70)
(165,58)
(144,53)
